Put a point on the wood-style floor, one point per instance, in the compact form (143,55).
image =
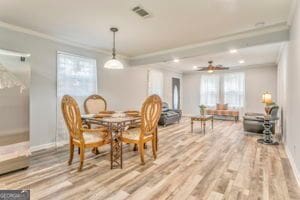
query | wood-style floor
(223,164)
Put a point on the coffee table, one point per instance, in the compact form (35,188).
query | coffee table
(202,119)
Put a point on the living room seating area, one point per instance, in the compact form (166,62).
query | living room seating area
(169,116)
(149,100)
(222,110)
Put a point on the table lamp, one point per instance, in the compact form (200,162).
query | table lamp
(267,100)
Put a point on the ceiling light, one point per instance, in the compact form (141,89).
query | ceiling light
(211,68)
(233,51)
(195,67)
(176,60)
(113,63)
(241,61)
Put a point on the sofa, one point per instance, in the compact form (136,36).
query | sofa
(253,122)
(169,116)
(222,110)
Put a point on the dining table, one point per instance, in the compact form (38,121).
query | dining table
(116,124)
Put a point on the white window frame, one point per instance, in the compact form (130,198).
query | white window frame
(61,130)
(159,76)
(203,94)
(221,89)
(241,86)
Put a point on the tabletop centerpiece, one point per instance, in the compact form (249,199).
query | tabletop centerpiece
(202,109)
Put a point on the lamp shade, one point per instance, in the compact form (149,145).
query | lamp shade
(113,64)
(267,98)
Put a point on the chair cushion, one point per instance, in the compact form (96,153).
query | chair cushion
(254,118)
(95,106)
(93,137)
(172,113)
(133,134)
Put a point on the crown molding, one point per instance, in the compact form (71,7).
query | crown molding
(281,26)
(55,39)
(235,36)
(275,35)
(168,69)
(235,68)
(160,66)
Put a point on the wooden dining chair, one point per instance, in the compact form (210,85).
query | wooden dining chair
(95,104)
(79,136)
(150,114)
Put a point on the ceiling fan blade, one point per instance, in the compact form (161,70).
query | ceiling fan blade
(202,69)
(221,68)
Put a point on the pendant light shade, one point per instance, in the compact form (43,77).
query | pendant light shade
(114,63)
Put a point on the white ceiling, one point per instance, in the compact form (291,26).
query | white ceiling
(174,23)
(256,55)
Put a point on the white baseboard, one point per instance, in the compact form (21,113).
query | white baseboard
(293,164)
(48,145)
(42,146)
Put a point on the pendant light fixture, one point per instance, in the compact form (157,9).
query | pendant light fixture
(113,63)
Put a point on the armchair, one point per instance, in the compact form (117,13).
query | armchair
(253,122)
(169,116)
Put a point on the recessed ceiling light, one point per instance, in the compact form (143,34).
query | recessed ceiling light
(233,51)
(241,61)
(195,67)
(176,60)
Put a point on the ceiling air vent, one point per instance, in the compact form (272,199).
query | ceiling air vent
(141,12)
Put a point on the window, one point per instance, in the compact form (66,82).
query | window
(76,76)
(209,93)
(155,82)
(226,88)
(176,97)
(234,89)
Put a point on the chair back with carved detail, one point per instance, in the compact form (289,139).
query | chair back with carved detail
(150,114)
(94,104)
(72,116)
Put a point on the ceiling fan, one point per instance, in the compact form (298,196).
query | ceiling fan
(210,68)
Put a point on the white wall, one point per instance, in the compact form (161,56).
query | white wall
(43,79)
(258,80)
(123,89)
(289,81)
(127,89)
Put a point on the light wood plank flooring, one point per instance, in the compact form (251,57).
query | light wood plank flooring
(224,164)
